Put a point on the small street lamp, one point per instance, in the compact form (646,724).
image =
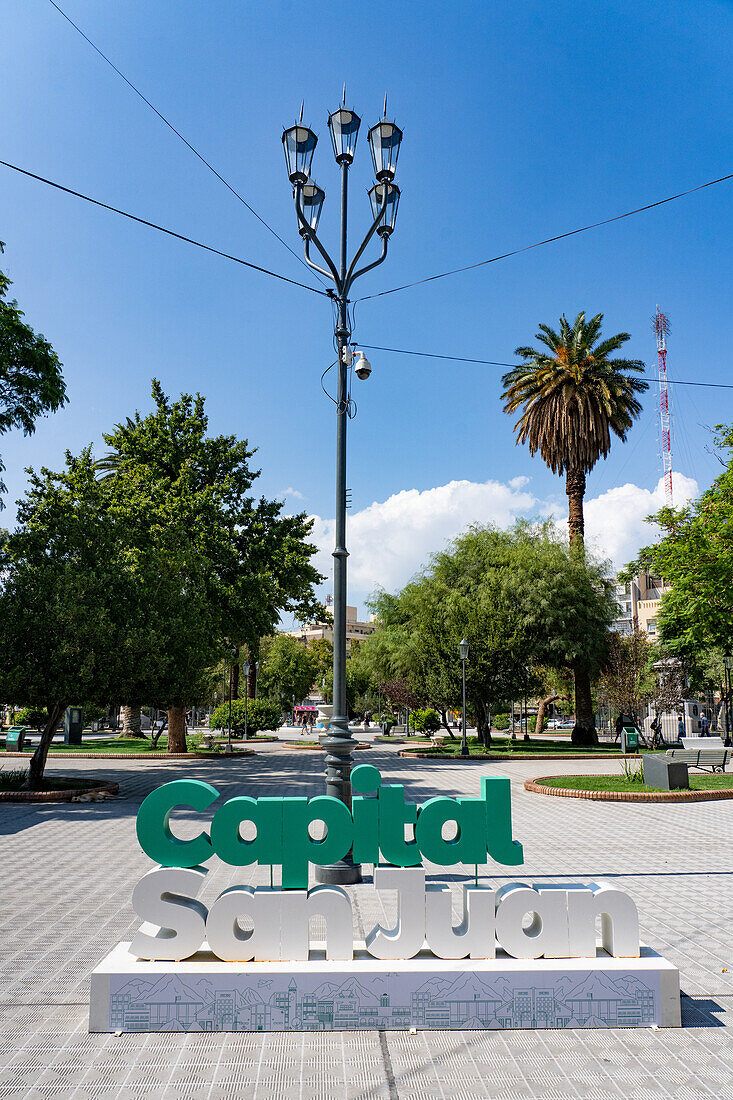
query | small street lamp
(728,662)
(463,653)
(229,747)
(245,670)
(299,143)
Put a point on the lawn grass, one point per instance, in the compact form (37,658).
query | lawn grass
(698,782)
(504,746)
(112,745)
(13,780)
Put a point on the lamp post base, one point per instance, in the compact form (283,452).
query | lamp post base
(343,873)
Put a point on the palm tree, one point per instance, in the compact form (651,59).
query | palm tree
(573,396)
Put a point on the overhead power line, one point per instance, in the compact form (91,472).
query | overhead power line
(178,134)
(162,229)
(494,363)
(548,240)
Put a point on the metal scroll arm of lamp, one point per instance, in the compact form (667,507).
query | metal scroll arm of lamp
(299,143)
(463,654)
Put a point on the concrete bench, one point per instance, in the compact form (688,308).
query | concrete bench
(714,759)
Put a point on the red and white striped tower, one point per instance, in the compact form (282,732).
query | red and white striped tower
(661,328)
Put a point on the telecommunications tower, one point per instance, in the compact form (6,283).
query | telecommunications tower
(661,328)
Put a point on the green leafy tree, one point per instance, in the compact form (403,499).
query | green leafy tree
(258,560)
(695,557)
(321,654)
(627,679)
(262,714)
(287,671)
(573,396)
(425,720)
(65,596)
(31,383)
(521,599)
(245,561)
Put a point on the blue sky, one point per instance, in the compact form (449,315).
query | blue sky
(521,120)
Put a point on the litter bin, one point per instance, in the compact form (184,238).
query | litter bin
(15,738)
(630,739)
(73,725)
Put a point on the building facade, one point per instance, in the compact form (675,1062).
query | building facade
(638,602)
(356,629)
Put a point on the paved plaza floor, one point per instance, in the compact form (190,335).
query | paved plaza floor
(68,873)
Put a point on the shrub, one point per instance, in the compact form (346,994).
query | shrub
(261,715)
(31,716)
(500,722)
(425,721)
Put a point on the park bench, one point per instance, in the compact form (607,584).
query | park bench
(714,759)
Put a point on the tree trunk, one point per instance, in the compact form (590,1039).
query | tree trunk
(131,722)
(584,730)
(252,680)
(38,760)
(177,729)
(446,727)
(235,675)
(542,707)
(483,723)
(575,489)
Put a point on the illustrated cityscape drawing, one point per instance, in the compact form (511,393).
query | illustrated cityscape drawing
(390,1001)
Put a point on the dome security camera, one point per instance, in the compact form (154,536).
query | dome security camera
(363,367)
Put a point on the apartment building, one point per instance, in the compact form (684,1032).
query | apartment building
(639,600)
(356,630)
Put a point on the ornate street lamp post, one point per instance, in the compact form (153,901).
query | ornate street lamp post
(299,143)
(463,653)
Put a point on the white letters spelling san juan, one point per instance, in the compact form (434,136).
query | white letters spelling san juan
(562,925)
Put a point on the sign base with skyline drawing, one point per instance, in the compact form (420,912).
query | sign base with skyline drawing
(205,994)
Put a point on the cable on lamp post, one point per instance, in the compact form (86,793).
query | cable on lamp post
(463,653)
(299,144)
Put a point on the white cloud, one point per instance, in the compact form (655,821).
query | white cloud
(290,492)
(390,540)
(614,521)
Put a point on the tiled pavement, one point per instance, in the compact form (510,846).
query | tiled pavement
(68,872)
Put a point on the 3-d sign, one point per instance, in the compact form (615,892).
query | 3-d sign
(375,827)
(562,920)
(515,956)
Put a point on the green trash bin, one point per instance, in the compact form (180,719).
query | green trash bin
(15,738)
(631,737)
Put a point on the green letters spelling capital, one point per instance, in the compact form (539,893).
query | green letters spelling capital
(375,825)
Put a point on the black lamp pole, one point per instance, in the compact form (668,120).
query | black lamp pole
(299,143)
(463,653)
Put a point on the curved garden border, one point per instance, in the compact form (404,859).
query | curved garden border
(313,746)
(158,757)
(537,787)
(65,794)
(499,757)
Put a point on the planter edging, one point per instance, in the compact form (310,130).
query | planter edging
(68,794)
(536,786)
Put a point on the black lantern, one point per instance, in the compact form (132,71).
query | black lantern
(344,126)
(299,144)
(313,197)
(384,142)
(376,197)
